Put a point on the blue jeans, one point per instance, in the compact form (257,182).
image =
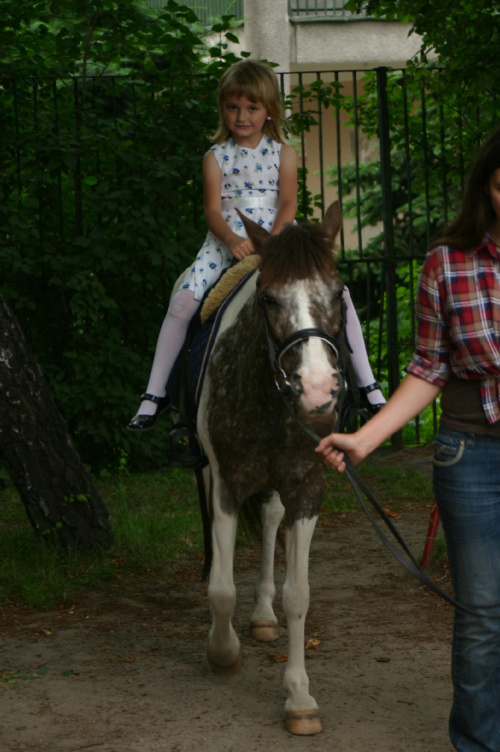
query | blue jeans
(467,491)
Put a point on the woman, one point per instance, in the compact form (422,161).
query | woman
(458,355)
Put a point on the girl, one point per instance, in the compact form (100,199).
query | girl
(458,353)
(252,169)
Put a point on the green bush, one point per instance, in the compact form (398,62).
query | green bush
(108,113)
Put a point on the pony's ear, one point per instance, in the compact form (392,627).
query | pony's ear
(332,220)
(255,232)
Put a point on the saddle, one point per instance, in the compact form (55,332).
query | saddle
(186,380)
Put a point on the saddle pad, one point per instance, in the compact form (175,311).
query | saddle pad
(226,283)
(197,349)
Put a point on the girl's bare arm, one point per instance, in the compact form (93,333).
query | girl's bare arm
(287,208)
(212,179)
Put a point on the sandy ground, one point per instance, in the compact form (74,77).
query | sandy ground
(125,670)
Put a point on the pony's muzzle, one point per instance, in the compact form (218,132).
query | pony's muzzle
(297,386)
(317,395)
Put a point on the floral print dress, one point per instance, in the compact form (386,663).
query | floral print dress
(249,183)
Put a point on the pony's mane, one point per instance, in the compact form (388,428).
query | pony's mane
(298,252)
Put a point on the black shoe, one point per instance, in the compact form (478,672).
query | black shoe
(364,391)
(147,422)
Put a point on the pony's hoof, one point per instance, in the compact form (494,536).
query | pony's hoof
(264,631)
(232,668)
(303,722)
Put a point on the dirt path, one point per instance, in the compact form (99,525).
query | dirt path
(125,670)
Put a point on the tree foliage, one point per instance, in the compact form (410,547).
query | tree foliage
(461,39)
(107,113)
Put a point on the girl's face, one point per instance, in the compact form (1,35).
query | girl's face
(245,120)
(494,194)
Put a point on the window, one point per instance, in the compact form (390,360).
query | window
(321,10)
(207,9)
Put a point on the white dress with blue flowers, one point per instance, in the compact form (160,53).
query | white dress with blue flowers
(250,184)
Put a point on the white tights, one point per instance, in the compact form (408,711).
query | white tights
(359,356)
(173,332)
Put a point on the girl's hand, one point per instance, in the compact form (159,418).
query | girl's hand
(240,247)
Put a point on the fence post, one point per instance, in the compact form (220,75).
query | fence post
(389,249)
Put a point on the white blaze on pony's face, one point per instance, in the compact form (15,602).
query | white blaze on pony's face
(310,365)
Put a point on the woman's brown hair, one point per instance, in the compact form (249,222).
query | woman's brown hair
(476,214)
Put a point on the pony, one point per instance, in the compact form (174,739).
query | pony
(275,362)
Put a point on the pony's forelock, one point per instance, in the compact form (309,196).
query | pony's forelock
(298,252)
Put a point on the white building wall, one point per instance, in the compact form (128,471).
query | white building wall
(270,35)
(345,46)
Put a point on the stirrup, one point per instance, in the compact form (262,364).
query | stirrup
(184,449)
(353,417)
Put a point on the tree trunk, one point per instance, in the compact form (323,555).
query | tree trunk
(56,489)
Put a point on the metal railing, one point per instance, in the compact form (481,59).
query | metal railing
(322,10)
(207,10)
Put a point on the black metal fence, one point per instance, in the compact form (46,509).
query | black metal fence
(396,161)
(391,155)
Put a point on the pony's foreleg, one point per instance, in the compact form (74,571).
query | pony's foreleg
(301,709)
(224,652)
(264,624)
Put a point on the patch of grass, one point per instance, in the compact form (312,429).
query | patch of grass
(24,677)
(440,552)
(388,483)
(155,516)
(154,519)
(338,496)
(398,481)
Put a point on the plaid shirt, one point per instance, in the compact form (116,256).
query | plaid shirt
(459,320)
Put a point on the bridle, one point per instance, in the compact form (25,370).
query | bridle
(276,352)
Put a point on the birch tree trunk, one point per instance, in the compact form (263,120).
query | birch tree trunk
(56,489)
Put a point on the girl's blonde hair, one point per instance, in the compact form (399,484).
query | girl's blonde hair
(258,83)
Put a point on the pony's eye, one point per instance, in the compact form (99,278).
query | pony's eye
(338,296)
(268,300)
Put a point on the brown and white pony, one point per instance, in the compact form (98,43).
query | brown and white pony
(256,450)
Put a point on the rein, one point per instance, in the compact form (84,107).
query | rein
(358,485)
